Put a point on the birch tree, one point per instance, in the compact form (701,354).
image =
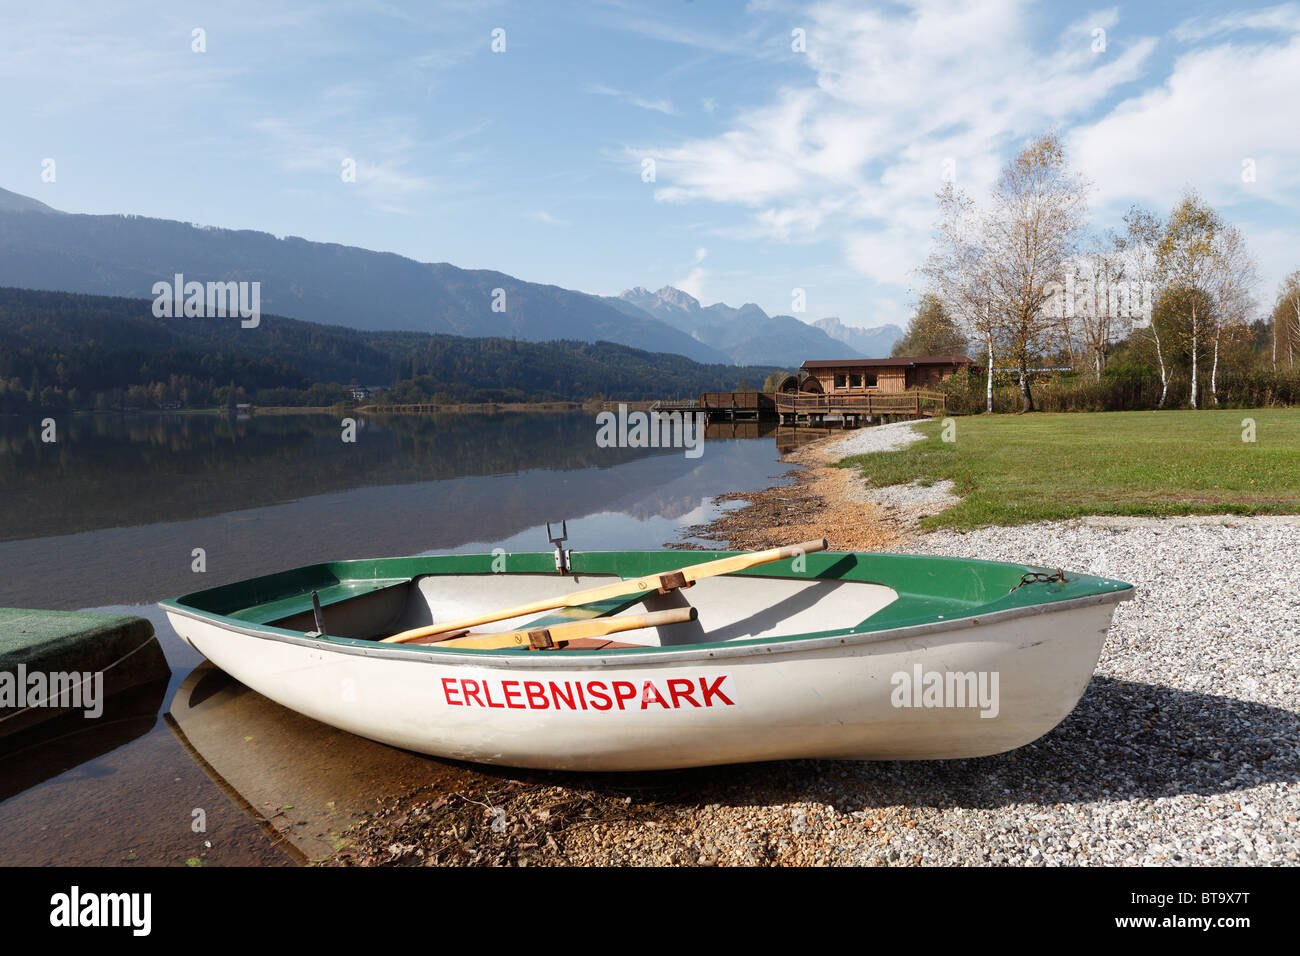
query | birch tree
(1142,232)
(1099,303)
(1232,276)
(1186,263)
(958,273)
(1286,320)
(1031,232)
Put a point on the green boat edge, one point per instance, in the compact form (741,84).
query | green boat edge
(931,590)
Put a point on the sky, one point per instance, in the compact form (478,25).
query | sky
(739,151)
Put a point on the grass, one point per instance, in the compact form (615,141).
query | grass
(1010,469)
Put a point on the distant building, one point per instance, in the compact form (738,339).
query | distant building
(363,392)
(863,376)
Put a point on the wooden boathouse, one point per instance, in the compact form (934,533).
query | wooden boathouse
(851,392)
(845,392)
(878,376)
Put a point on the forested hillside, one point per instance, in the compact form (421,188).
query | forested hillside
(64,350)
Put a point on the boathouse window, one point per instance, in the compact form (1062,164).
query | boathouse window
(870,379)
(855,380)
(841,380)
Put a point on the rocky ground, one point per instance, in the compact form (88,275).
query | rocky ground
(821,502)
(1184,750)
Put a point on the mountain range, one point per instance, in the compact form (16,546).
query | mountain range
(749,336)
(124,255)
(71,350)
(870,343)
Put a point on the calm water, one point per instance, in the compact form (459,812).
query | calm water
(197,767)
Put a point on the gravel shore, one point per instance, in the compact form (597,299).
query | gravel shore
(1186,747)
(1184,750)
(866,441)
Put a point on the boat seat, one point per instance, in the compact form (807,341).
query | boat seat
(582,612)
(276,611)
(585,612)
(577,644)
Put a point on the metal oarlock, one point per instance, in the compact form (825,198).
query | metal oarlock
(318,615)
(561,555)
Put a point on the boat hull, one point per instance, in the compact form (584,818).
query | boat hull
(963,688)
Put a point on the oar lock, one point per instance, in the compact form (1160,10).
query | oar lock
(672,581)
(539,640)
(317,615)
(562,554)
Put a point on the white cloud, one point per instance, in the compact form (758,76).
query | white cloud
(1219,106)
(799,221)
(541,215)
(382,176)
(658,106)
(858,151)
(1275,251)
(629,17)
(887,254)
(693,283)
(1282,18)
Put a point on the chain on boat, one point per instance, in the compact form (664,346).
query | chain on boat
(1038,577)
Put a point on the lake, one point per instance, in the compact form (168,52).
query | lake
(122,511)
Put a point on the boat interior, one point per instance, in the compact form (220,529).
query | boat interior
(729,608)
(378,598)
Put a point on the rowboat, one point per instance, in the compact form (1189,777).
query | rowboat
(726,657)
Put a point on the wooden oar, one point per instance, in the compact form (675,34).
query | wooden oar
(548,637)
(663,582)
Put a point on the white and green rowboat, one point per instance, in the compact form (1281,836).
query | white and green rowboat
(828,655)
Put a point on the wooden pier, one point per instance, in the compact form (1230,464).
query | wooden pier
(802,408)
(465,408)
(737,406)
(850,411)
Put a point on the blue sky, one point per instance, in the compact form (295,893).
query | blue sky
(775,169)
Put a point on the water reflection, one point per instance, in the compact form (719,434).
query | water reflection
(109,518)
(116,517)
(304,781)
(114,470)
(56,746)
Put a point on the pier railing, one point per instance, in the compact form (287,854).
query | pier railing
(916,402)
(748,401)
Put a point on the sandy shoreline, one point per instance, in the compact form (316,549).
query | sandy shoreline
(828,502)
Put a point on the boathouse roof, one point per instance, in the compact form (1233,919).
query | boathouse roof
(903,362)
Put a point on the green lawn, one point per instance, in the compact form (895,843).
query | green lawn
(1016,468)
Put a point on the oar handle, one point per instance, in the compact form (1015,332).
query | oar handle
(596,627)
(808,547)
(674,615)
